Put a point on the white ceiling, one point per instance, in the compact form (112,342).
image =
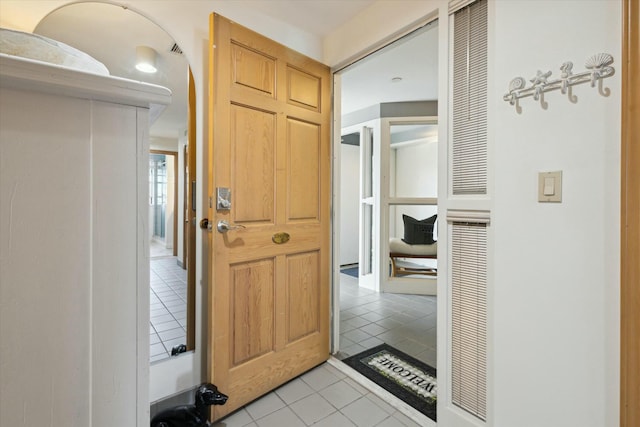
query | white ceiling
(319,17)
(413,58)
(110,34)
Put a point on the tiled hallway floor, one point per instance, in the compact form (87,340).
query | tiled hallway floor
(368,318)
(168,315)
(325,396)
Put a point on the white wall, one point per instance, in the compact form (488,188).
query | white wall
(186,21)
(36,295)
(555,291)
(349,203)
(74,345)
(380,21)
(416,175)
(417,170)
(163,144)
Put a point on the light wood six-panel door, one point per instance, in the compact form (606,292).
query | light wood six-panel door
(269,274)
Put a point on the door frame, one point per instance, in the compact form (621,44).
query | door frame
(426,285)
(185,207)
(174,154)
(336,71)
(629,224)
(189,250)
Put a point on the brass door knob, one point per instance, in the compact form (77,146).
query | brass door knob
(280,238)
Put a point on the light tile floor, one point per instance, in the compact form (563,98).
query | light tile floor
(326,397)
(168,315)
(368,318)
(323,397)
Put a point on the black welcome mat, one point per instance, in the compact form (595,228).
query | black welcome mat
(403,376)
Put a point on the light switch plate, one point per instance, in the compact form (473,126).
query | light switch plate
(550,187)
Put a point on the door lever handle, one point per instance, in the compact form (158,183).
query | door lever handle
(224,226)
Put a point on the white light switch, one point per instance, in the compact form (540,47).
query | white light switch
(550,186)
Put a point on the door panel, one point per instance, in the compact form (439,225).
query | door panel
(253,140)
(303,291)
(303,169)
(252,285)
(270,145)
(303,89)
(253,69)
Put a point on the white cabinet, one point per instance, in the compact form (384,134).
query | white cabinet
(74,276)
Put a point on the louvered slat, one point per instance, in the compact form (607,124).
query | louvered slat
(469,140)
(469,316)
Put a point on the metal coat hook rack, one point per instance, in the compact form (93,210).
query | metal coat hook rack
(598,67)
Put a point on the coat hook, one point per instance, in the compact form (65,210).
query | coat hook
(598,66)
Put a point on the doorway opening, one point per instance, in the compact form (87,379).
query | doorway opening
(163,203)
(388,171)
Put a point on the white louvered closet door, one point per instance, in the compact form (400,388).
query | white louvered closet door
(468,226)
(469,155)
(469,316)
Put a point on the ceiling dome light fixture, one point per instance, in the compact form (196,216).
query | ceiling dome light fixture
(396,79)
(146,59)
